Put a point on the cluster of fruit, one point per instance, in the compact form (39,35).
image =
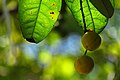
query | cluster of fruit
(91,41)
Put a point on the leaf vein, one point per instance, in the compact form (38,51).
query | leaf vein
(36,17)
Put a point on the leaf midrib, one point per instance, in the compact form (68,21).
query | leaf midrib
(36,18)
(91,15)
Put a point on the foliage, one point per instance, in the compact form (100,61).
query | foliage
(37,18)
(53,58)
(94,20)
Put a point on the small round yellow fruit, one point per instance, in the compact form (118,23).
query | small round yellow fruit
(91,41)
(84,64)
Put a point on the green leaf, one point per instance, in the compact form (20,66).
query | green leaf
(37,18)
(95,21)
(104,6)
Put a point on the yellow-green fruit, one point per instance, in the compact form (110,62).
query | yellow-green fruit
(84,64)
(91,41)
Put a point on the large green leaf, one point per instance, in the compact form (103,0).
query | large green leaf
(95,21)
(37,18)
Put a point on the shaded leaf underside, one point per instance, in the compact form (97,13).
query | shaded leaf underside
(95,21)
(104,6)
(37,18)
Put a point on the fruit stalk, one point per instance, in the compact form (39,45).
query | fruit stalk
(85,52)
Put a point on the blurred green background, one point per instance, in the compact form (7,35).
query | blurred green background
(53,58)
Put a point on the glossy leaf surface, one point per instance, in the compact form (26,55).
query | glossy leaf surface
(94,20)
(37,18)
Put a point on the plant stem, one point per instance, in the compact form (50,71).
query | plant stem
(85,52)
(83,16)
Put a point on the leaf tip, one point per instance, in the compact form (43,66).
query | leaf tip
(31,40)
